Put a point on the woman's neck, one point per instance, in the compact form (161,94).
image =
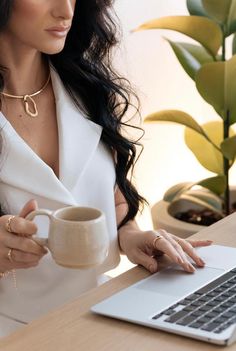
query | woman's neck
(26,69)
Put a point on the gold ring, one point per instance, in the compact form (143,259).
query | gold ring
(9,256)
(8,224)
(178,241)
(158,237)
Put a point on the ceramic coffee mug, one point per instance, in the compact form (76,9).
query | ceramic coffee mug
(77,237)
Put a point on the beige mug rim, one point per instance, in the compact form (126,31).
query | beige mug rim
(94,220)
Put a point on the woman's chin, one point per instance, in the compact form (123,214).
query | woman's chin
(53,49)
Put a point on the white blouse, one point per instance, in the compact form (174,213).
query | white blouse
(86,178)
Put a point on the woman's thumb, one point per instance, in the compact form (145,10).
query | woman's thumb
(30,206)
(148,262)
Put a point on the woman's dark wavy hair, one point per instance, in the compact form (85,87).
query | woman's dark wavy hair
(84,65)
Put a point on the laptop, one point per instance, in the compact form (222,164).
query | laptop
(201,305)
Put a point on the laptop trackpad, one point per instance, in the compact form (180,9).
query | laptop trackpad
(175,282)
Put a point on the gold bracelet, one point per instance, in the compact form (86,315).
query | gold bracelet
(4,274)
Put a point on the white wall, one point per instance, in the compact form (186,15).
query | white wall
(148,62)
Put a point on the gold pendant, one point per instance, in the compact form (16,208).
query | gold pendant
(31,113)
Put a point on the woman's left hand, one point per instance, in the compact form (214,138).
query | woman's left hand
(144,247)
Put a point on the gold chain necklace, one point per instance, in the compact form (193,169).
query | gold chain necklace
(28,98)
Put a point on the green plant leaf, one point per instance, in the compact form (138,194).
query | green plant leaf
(215,84)
(205,199)
(228,147)
(218,10)
(191,57)
(208,155)
(198,52)
(215,184)
(175,116)
(232,18)
(201,29)
(196,8)
(176,190)
(224,12)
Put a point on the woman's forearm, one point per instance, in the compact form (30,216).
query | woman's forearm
(121,211)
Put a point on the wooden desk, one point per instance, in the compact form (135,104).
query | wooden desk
(74,328)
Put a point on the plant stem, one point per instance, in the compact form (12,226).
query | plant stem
(226,168)
(226,125)
(223,57)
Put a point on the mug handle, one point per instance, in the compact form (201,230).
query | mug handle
(31,216)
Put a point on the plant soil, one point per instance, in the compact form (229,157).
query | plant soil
(204,217)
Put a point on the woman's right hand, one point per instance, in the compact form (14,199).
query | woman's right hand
(24,251)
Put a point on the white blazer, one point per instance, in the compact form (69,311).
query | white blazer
(86,178)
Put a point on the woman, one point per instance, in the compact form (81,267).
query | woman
(61,144)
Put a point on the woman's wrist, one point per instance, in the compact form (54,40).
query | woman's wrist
(126,230)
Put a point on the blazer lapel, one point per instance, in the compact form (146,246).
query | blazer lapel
(78,136)
(23,169)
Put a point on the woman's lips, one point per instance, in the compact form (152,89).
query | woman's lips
(58,32)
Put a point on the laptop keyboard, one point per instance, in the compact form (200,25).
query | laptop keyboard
(211,308)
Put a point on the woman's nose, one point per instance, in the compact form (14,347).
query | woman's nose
(64,9)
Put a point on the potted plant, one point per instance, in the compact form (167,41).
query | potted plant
(211,23)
